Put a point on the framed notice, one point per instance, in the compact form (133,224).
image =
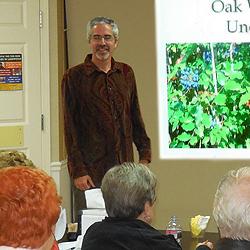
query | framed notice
(11,72)
(203,71)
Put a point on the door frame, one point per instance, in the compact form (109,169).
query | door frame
(45,85)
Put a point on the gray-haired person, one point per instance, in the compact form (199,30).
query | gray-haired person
(129,194)
(232,210)
(102,117)
(14,158)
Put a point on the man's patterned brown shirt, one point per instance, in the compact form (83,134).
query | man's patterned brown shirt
(102,119)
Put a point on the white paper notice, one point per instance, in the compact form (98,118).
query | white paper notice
(94,198)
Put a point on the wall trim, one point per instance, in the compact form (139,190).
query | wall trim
(56,169)
(59,172)
(45,84)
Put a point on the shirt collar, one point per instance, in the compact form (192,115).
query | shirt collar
(90,67)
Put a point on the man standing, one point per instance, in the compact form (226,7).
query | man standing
(102,116)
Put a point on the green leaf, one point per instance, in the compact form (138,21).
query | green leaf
(175,125)
(193,140)
(223,145)
(174,143)
(237,75)
(192,110)
(232,85)
(212,139)
(205,140)
(223,110)
(194,100)
(178,114)
(199,131)
(206,120)
(184,137)
(224,133)
(228,66)
(187,118)
(189,126)
(238,65)
(241,129)
(218,138)
(244,99)
(220,99)
(170,113)
(247,143)
(221,78)
(198,115)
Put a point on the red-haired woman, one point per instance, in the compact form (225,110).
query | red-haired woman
(29,208)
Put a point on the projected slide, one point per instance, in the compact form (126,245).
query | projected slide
(203,58)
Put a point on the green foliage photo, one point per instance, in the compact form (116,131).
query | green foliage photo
(208,88)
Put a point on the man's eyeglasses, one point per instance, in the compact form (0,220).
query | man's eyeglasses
(106,38)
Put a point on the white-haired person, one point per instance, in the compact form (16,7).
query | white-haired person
(129,194)
(232,210)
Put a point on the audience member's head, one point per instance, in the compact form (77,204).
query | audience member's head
(10,158)
(129,191)
(29,208)
(232,205)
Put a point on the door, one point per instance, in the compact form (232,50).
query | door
(20,78)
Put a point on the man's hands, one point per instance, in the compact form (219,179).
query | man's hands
(206,243)
(84,182)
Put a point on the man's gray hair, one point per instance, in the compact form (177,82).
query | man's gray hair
(102,20)
(126,188)
(232,204)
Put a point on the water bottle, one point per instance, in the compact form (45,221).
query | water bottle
(174,228)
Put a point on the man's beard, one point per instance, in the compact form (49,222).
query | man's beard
(102,52)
